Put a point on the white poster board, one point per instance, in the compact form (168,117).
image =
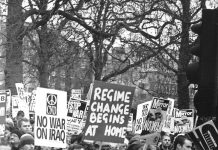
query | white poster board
(141,114)
(50,118)
(19,104)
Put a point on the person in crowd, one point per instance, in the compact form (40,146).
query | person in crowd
(182,142)
(165,142)
(5,138)
(76,147)
(136,143)
(20,114)
(9,123)
(25,126)
(26,142)
(14,139)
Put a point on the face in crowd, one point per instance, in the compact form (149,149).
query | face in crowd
(187,145)
(182,143)
(166,141)
(25,126)
(14,139)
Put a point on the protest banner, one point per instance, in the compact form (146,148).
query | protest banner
(76,93)
(141,115)
(19,104)
(50,118)
(76,109)
(183,120)
(205,136)
(108,112)
(8,101)
(3,99)
(156,116)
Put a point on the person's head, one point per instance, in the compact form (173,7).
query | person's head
(9,123)
(20,114)
(182,142)
(166,141)
(76,138)
(24,125)
(76,147)
(14,138)
(26,142)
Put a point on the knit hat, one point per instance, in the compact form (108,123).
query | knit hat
(17,132)
(26,139)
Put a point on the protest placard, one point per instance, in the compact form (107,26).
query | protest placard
(76,93)
(76,109)
(50,118)
(3,99)
(156,116)
(183,120)
(8,102)
(141,115)
(108,112)
(205,136)
(20,90)
(19,104)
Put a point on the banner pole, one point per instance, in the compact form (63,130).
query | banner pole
(100,145)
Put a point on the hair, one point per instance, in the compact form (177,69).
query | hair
(20,113)
(21,121)
(180,139)
(76,138)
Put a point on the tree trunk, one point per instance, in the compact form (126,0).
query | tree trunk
(58,79)
(184,57)
(43,56)
(68,80)
(14,67)
(43,75)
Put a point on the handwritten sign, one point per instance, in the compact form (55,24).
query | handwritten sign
(108,112)
(50,118)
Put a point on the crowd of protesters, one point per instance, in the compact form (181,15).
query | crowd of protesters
(19,136)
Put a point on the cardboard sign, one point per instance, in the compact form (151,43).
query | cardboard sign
(76,110)
(3,99)
(20,90)
(183,120)
(156,116)
(108,112)
(205,136)
(141,115)
(76,93)
(50,118)
(8,103)
(19,104)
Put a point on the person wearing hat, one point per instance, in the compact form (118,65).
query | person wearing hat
(14,139)
(26,142)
